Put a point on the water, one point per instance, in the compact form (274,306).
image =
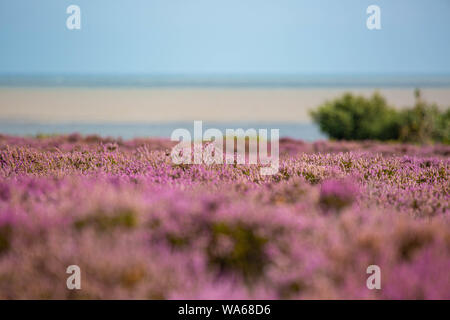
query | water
(233,81)
(303,131)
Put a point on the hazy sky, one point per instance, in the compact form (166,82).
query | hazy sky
(225,37)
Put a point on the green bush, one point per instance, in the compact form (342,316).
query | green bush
(358,118)
(443,127)
(424,123)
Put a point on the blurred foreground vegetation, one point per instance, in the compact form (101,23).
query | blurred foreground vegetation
(358,118)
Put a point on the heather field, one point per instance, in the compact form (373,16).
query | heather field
(141,227)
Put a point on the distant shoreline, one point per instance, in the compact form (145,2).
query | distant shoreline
(226,81)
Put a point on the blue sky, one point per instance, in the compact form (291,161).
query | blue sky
(207,37)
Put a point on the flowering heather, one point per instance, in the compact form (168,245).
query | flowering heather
(141,227)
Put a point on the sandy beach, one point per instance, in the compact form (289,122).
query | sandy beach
(51,105)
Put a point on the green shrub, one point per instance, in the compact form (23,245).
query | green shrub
(425,123)
(443,127)
(358,118)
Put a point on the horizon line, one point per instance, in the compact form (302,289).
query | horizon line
(224,80)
